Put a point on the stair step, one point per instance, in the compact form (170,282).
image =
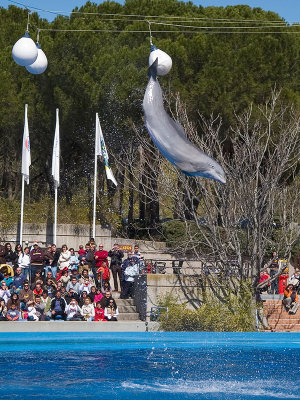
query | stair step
(129,317)
(126,309)
(124,302)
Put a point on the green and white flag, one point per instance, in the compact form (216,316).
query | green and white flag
(101,151)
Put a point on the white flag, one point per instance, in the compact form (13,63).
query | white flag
(101,151)
(56,153)
(26,159)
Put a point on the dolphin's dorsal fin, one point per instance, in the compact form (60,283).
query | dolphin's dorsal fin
(152,70)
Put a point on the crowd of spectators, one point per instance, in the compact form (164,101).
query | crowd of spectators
(51,284)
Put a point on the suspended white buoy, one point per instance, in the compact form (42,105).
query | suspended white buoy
(24,51)
(40,64)
(164,60)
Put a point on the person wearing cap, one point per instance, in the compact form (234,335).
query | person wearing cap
(37,260)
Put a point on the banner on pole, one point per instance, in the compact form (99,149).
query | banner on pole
(101,151)
(26,158)
(56,152)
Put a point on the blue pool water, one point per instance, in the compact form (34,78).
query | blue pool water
(160,366)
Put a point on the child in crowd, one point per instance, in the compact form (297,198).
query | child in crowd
(81,251)
(98,295)
(88,310)
(99,312)
(73,260)
(103,272)
(13,314)
(32,314)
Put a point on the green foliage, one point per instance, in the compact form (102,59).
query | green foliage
(234,314)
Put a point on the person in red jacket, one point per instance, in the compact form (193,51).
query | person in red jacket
(101,257)
(99,312)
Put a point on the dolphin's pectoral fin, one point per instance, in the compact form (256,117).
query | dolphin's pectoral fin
(152,70)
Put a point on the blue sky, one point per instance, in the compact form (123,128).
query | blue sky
(288,9)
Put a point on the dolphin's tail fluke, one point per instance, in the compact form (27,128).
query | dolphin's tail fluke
(152,70)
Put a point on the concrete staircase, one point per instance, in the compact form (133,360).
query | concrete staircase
(279,320)
(127,310)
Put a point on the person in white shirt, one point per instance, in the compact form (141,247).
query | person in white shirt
(24,261)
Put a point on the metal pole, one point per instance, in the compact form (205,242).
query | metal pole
(95,186)
(55,215)
(22,209)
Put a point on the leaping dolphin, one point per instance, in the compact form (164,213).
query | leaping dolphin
(170,138)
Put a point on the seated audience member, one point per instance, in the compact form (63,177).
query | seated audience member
(50,286)
(83,264)
(73,260)
(74,274)
(65,278)
(40,308)
(290,299)
(92,294)
(24,262)
(31,312)
(58,286)
(37,279)
(82,298)
(25,295)
(73,311)
(63,292)
(85,286)
(58,306)
(10,255)
(295,279)
(12,314)
(4,292)
(73,285)
(14,300)
(88,310)
(105,287)
(85,275)
(38,291)
(19,279)
(98,295)
(46,301)
(3,310)
(111,311)
(99,312)
(105,299)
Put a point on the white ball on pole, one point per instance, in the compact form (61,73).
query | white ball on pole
(40,64)
(25,51)
(164,60)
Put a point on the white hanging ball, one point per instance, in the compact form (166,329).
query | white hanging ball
(164,60)
(24,51)
(40,64)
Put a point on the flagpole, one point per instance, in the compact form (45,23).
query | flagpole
(95,184)
(55,214)
(22,209)
(55,172)
(26,162)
